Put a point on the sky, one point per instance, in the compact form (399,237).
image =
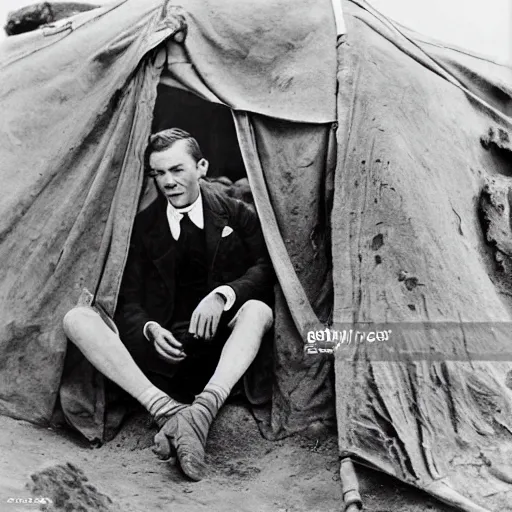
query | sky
(481,26)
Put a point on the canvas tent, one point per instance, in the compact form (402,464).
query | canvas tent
(377,199)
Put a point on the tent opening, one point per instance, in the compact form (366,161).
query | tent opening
(210,123)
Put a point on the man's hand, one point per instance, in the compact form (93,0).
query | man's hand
(166,345)
(206,317)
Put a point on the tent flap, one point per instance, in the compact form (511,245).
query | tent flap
(77,106)
(289,169)
(265,57)
(74,116)
(408,249)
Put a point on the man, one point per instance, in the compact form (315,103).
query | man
(194,302)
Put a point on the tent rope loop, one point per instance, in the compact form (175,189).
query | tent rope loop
(174,17)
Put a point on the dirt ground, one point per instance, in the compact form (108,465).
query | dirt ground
(247,472)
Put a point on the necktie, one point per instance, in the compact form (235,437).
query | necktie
(185,223)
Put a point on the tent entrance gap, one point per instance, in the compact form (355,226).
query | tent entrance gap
(211,124)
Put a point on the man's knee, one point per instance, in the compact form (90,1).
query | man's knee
(256,311)
(76,319)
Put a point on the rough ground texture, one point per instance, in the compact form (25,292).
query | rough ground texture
(247,473)
(65,487)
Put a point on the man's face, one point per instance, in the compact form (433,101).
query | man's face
(177,174)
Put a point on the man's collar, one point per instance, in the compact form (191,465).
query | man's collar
(194,210)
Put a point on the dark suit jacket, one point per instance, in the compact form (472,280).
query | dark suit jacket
(239,260)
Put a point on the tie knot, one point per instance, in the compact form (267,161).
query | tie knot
(186,222)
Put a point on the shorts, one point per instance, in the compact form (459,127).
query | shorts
(185,380)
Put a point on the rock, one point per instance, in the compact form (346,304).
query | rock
(65,487)
(496,137)
(495,213)
(498,142)
(34,16)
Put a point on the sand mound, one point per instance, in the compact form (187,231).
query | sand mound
(68,490)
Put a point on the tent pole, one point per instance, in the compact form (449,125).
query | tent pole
(350,486)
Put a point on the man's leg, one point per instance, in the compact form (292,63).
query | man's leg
(187,430)
(107,353)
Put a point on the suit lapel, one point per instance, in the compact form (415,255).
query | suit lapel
(215,219)
(161,246)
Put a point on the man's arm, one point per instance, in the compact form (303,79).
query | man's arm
(131,317)
(135,324)
(256,283)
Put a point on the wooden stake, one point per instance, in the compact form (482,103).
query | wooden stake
(350,486)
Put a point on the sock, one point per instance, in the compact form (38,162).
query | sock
(187,431)
(160,405)
(212,399)
(205,407)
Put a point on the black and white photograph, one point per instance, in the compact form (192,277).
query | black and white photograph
(256,256)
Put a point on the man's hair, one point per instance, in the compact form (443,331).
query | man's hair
(163,140)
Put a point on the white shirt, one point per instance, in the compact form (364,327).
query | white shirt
(195,213)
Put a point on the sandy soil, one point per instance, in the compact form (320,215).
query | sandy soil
(247,473)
